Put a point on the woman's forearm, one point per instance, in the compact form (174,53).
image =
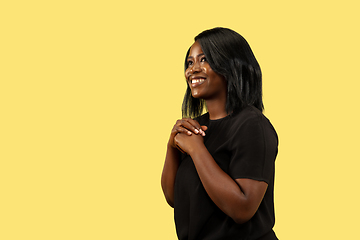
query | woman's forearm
(222,189)
(171,166)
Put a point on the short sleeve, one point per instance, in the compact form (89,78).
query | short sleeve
(253,149)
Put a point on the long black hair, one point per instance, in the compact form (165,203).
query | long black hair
(229,55)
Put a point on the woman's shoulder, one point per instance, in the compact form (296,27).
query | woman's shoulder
(250,115)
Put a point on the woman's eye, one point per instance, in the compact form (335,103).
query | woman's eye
(189,63)
(203,59)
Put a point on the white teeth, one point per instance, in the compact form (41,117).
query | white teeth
(197,80)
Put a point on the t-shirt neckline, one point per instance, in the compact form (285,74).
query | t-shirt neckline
(217,120)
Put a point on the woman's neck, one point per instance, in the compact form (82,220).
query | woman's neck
(216,109)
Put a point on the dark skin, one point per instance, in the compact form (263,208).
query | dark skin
(238,198)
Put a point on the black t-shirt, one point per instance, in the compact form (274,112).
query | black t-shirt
(244,145)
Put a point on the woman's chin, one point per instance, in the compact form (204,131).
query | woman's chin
(196,94)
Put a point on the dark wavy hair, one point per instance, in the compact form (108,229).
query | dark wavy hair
(229,55)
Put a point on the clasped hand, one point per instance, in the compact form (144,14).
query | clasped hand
(187,135)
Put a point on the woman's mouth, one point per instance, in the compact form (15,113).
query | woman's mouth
(196,82)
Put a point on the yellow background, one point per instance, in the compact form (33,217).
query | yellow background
(91,89)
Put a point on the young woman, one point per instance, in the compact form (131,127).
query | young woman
(219,166)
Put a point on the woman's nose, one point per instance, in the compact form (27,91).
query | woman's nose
(195,67)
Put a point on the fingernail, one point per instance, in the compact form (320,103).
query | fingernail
(196,131)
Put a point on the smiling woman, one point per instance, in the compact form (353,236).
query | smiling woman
(219,167)
(203,81)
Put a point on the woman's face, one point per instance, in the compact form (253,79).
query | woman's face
(203,81)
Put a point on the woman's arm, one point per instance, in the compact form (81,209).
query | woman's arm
(169,173)
(187,127)
(239,198)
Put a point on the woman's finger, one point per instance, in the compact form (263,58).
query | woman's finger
(191,125)
(204,128)
(180,129)
(201,129)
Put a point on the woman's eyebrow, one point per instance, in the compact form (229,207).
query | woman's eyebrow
(199,55)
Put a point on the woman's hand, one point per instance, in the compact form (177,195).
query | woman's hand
(186,126)
(189,143)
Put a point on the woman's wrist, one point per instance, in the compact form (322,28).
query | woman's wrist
(198,149)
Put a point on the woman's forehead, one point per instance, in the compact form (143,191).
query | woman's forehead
(195,50)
